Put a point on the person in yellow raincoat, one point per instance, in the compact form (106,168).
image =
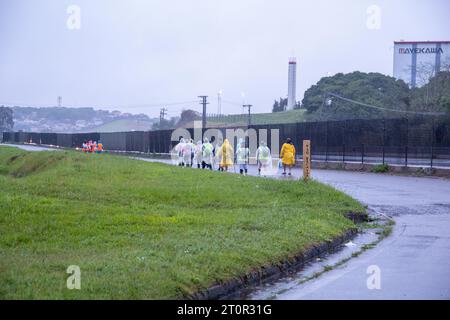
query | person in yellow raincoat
(287,155)
(227,155)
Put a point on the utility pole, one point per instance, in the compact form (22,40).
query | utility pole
(249,106)
(204,103)
(219,102)
(162,114)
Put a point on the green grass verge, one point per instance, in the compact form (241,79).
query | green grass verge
(291,116)
(143,230)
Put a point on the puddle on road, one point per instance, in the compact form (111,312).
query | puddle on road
(369,235)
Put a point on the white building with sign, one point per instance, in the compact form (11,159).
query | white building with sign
(415,62)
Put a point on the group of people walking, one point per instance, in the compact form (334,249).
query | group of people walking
(92,147)
(206,156)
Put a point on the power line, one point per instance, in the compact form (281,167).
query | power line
(148,105)
(156,104)
(381,108)
(232,102)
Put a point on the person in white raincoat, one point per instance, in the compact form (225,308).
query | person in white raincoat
(198,154)
(242,157)
(188,153)
(178,152)
(207,154)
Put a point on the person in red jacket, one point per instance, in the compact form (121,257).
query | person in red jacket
(84,147)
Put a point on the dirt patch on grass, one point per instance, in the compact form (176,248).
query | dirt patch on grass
(27,164)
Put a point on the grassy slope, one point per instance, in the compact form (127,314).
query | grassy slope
(124,125)
(147,230)
(280,117)
(291,116)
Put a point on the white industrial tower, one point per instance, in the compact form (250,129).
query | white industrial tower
(292,76)
(219,102)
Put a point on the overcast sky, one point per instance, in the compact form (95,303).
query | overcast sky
(129,54)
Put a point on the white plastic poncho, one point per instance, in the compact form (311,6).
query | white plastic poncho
(207,154)
(178,152)
(198,153)
(188,150)
(242,155)
(263,156)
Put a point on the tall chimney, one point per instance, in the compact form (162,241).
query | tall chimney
(292,76)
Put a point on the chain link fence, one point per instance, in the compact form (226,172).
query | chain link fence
(419,140)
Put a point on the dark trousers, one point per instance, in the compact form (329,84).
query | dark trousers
(205,165)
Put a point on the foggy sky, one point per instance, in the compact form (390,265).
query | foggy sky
(135,55)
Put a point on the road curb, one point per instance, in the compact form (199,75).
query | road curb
(232,289)
(416,171)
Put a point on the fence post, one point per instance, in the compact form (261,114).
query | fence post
(326,140)
(362,153)
(407,142)
(384,137)
(306,159)
(343,142)
(154,142)
(343,152)
(432,142)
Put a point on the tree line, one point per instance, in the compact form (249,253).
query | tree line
(374,89)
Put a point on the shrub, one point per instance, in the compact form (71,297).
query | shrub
(381,168)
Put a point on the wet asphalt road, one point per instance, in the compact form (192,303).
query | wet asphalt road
(28,147)
(414,261)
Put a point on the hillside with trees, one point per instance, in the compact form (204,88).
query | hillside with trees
(433,96)
(164,124)
(280,106)
(63,119)
(322,101)
(369,88)
(6,119)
